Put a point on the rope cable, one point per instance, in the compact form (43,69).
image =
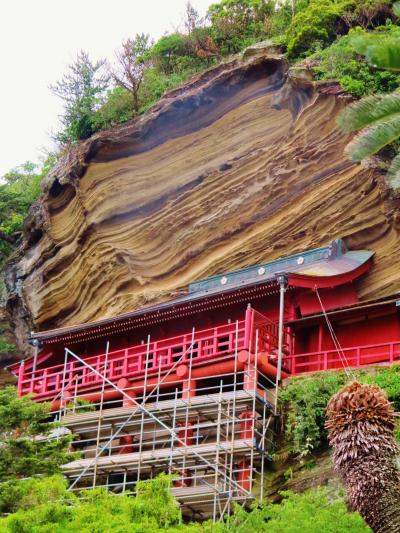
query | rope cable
(342,355)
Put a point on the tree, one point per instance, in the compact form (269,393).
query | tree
(27,447)
(166,49)
(376,117)
(310,512)
(44,505)
(81,90)
(234,21)
(192,19)
(19,188)
(360,422)
(131,65)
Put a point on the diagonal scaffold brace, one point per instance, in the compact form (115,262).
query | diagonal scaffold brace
(142,408)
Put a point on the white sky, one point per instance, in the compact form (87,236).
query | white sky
(39,38)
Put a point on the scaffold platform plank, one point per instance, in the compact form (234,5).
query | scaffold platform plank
(129,461)
(117,414)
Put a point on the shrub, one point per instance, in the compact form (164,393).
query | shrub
(317,23)
(116,109)
(310,512)
(237,23)
(156,83)
(45,506)
(6,347)
(341,62)
(306,397)
(21,452)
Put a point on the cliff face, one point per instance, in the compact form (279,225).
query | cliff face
(241,165)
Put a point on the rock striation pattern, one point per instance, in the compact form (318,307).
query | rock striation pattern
(242,164)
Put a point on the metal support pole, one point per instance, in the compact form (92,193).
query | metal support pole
(262,446)
(282,280)
(173,433)
(35,356)
(146,367)
(63,384)
(141,408)
(216,493)
(103,384)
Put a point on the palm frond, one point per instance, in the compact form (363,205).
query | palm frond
(396,9)
(360,43)
(369,110)
(393,174)
(372,139)
(381,51)
(385,55)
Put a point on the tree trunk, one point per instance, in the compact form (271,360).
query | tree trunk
(360,422)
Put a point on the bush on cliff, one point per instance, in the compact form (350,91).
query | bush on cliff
(313,26)
(19,188)
(45,505)
(92,102)
(341,62)
(305,399)
(26,445)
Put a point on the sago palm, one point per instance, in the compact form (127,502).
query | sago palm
(360,423)
(376,117)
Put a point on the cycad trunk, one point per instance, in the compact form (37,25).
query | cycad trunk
(360,421)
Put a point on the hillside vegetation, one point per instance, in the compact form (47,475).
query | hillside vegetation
(318,35)
(42,503)
(100,94)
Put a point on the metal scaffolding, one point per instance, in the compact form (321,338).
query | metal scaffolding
(212,436)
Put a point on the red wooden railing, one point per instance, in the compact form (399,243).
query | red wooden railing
(266,335)
(209,344)
(357,356)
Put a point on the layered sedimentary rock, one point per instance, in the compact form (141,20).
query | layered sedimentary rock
(243,164)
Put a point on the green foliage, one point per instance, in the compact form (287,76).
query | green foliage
(166,50)
(6,347)
(20,187)
(81,90)
(27,447)
(389,380)
(44,505)
(341,62)
(306,397)
(314,25)
(144,72)
(310,512)
(116,109)
(237,23)
(377,117)
(28,493)
(156,83)
(381,48)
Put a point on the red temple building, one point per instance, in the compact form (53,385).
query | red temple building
(188,386)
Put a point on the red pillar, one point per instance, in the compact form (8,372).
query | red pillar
(125,385)
(246,424)
(188,385)
(244,474)
(250,377)
(126,441)
(188,389)
(246,432)
(187,436)
(21,371)
(67,398)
